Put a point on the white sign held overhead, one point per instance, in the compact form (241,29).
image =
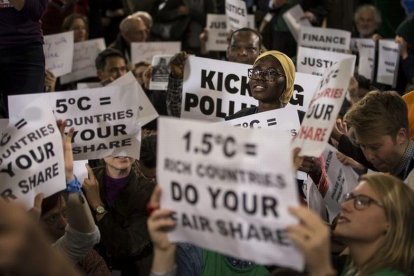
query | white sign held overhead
(105,119)
(214,89)
(146,110)
(84,56)
(366,53)
(220,187)
(324,39)
(144,51)
(388,59)
(58,49)
(295,19)
(236,13)
(316,62)
(217,32)
(323,109)
(31,156)
(160,72)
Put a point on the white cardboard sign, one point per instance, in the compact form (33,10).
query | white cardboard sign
(324,39)
(160,72)
(283,119)
(58,49)
(295,19)
(31,156)
(210,179)
(217,32)
(214,89)
(388,58)
(316,62)
(236,13)
(106,120)
(84,56)
(304,88)
(323,109)
(366,50)
(144,51)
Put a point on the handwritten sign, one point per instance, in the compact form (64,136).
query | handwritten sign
(31,156)
(160,72)
(214,89)
(295,19)
(324,39)
(58,49)
(84,56)
(210,179)
(5,4)
(105,119)
(324,108)
(388,58)
(316,62)
(144,51)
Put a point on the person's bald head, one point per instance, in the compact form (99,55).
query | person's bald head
(133,29)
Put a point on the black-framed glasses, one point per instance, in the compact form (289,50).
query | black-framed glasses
(361,202)
(269,75)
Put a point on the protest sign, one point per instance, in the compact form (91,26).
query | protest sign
(210,179)
(324,39)
(87,85)
(105,119)
(388,58)
(5,4)
(214,89)
(304,88)
(31,156)
(366,54)
(316,62)
(295,19)
(84,56)
(160,72)
(284,119)
(79,169)
(146,111)
(144,51)
(341,180)
(217,32)
(58,49)
(236,14)
(324,108)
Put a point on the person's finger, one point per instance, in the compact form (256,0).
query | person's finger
(91,175)
(307,218)
(38,201)
(160,214)
(155,197)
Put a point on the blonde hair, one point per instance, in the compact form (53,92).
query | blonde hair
(397,250)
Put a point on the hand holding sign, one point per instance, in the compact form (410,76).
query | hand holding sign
(177,63)
(312,237)
(67,148)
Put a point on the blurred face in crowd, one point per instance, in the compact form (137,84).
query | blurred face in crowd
(383,151)
(118,165)
(362,217)
(244,47)
(267,80)
(366,23)
(80,32)
(133,29)
(55,220)
(115,67)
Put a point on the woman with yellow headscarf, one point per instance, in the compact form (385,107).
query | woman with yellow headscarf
(271,83)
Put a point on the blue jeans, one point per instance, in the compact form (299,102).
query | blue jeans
(22,71)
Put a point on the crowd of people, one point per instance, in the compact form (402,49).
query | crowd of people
(111,222)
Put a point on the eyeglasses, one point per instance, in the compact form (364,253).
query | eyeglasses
(269,75)
(361,202)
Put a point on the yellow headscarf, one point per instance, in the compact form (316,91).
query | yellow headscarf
(289,71)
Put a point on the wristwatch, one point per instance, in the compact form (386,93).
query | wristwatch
(100,210)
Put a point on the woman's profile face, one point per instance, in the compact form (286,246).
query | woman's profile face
(267,81)
(362,217)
